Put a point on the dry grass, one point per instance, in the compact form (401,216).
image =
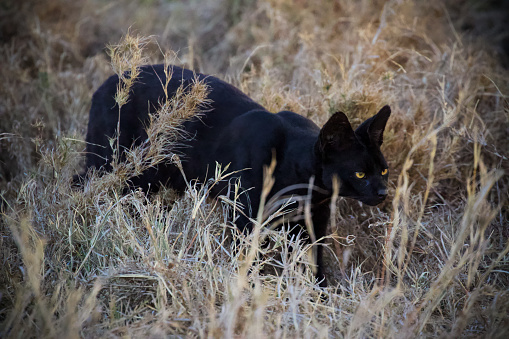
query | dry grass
(432,261)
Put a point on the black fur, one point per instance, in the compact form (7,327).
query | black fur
(238,131)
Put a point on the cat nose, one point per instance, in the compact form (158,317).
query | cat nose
(382,193)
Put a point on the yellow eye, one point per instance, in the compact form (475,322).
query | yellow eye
(384,172)
(360,175)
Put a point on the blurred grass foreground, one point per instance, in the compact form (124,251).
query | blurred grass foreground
(432,261)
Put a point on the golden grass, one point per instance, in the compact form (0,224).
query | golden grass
(431,261)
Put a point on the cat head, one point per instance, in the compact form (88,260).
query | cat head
(355,157)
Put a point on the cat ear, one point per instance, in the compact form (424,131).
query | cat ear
(336,133)
(371,131)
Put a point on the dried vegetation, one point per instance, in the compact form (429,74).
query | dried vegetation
(431,261)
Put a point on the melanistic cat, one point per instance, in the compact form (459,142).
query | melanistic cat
(236,130)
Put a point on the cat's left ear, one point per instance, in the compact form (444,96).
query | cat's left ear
(371,131)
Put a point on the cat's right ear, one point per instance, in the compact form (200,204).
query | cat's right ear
(337,133)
